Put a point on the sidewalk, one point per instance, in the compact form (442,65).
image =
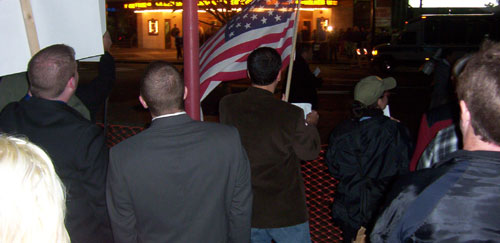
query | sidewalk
(142,55)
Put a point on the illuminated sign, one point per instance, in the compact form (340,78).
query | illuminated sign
(153,27)
(203,3)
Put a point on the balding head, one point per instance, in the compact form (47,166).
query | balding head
(162,88)
(50,69)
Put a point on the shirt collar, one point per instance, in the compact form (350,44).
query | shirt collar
(169,115)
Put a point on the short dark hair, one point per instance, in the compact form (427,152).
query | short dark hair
(50,69)
(479,87)
(264,65)
(162,88)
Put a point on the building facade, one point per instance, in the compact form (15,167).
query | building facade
(155,20)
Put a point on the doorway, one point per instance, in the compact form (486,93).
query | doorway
(168,41)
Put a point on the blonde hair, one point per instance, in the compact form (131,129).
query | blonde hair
(32,199)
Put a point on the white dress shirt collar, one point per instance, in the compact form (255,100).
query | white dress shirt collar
(169,115)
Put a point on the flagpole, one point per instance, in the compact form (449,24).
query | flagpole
(292,55)
(191,58)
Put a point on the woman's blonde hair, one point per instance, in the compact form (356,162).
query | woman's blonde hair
(32,199)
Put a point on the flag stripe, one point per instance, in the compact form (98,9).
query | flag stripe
(231,63)
(246,46)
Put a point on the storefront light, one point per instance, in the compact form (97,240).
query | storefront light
(153,27)
(201,4)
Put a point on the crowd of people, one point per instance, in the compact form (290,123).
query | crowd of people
(239,180)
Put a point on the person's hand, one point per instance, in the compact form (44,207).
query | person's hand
(394,119)
(106,41)
(312,118)
(361,235)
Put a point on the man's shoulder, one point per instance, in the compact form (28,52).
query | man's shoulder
(211,130)
(230,98)
(391,126)
(403,194)
(37,111)
(217,129)
(256,97)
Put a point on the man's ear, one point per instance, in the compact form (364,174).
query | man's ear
(248,75)
(464,116)
(185,92)
(143,103)
(72,84)
(279,76)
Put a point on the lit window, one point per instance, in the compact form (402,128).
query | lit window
(153,26)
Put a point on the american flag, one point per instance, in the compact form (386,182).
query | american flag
(261,23)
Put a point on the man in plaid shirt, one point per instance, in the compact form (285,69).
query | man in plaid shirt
(447,140)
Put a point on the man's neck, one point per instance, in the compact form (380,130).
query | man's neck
(478,145)
(270,87)
(472,142)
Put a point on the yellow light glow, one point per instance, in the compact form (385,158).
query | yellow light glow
(153,27)
(202,3)
(424,17)
(329,28)
(374,52)
(203,11)
(427,59)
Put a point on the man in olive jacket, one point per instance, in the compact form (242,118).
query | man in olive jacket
(276,137)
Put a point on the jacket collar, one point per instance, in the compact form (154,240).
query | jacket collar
(171,121)
(49,104)
(257,91)
(491,156)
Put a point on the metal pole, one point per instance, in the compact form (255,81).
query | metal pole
(191,58)
(373,21)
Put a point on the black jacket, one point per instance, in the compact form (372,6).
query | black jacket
(80,157)
(457,201)
(304,85)
(365,156)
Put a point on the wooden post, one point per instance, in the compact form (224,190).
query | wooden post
(29,23)
(292,54)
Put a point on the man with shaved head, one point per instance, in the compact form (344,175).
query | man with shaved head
(180,180)
(75,145)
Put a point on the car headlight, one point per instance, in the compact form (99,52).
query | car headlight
(374,52)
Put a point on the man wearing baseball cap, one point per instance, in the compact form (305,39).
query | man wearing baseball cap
(372,91)
(365,154)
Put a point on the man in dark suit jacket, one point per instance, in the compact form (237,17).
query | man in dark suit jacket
(75,145)
(180,180)
(304,84)
(276,137)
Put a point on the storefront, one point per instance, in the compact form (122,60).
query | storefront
(155,20)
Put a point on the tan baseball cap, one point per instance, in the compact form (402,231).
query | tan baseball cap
(369,89)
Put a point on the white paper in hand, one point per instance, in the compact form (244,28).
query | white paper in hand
(307,107)
(386,111)
(316,71)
